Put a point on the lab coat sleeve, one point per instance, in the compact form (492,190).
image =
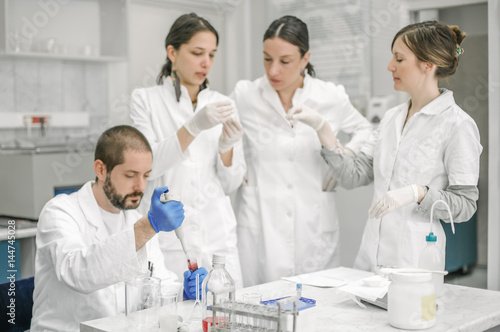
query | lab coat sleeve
(85,267)
(350,171)
(354,124)
(232,176)
(462,154)
(461,200)
(461,160)
(166,153)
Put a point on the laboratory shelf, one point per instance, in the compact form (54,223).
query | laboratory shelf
(60,57)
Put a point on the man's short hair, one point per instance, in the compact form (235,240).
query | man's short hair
(113,143)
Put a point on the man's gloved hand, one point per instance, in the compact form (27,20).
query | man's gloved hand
(209,116)
(165,217)
(393,200)
(306,115)
(190,283)
(232,132)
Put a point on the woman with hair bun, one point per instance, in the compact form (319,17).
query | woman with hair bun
(424,150)
(287,218)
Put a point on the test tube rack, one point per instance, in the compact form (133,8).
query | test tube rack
(263,317)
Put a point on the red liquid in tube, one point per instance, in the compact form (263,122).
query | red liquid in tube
(192,266)
(208,322)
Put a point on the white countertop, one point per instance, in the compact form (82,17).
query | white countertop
(461,309)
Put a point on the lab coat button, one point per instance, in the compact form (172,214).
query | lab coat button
(291,159)
(289,213)
(290,186)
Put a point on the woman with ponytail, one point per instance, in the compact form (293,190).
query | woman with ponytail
(424,150)
(195,136)
(287,219)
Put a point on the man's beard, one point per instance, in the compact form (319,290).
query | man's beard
(118,200)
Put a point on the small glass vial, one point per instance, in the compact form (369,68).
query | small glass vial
(299,291)
(412,301)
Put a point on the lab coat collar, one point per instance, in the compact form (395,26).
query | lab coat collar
(168,82)
(441,103)
(269,94)
(90,209)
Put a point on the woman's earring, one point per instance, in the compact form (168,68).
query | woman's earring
(177,85)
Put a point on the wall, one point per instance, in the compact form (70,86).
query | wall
(494,156)
(470,86)
(149,25)
(30,85)
(43,84)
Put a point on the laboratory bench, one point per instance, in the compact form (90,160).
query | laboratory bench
(460,308)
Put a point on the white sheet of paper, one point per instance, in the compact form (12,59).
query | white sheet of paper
(329,278)
(316,280)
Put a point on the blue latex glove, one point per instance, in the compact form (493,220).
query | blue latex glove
(165,217)
(190,282)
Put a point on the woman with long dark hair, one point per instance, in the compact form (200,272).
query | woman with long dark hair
(287,219)
(196,140)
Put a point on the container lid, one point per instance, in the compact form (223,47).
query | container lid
(411,277)
(431,237)
(218,259)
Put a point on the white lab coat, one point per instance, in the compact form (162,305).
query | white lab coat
(197,176)
(286,224)
(439,146)
(80,268)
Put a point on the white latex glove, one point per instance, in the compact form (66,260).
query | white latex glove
(329,183)
(393,200)
(209,116)
(306,115)
(232,132)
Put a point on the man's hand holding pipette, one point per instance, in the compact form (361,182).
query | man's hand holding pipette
(165,217)
(190,282)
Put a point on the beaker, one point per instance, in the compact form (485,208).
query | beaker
(142,299)
(168,312)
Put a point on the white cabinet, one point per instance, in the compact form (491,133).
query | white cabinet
(83,30)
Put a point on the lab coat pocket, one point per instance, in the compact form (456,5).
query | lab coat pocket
(328,212)
(247,207)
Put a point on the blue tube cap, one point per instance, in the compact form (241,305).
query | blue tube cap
(431,237)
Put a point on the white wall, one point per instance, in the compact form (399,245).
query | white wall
(469,86)
(149,25)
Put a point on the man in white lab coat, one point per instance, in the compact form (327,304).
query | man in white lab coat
(90,242)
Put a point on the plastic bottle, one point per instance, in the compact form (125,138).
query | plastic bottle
(218,287)
(432,259)
(411,302)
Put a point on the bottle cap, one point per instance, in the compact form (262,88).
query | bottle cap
(431,237)
(218,259)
